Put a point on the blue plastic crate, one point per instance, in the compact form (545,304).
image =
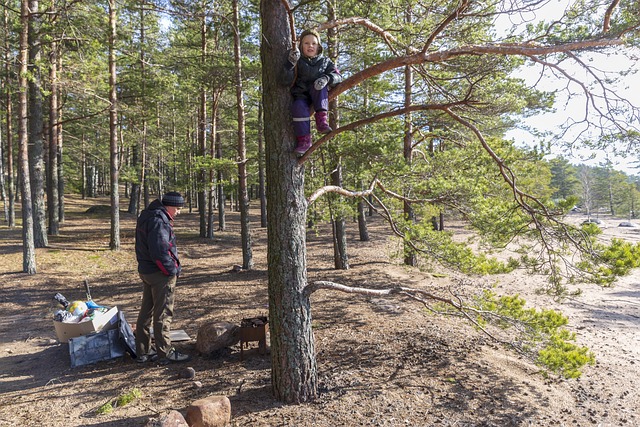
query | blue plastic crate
(94,348)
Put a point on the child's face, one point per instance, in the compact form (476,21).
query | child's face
(309,46)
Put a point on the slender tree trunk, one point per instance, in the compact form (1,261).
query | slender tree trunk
(294,373)
(52,170)
(36,141)
(222,224)
(243,198)
(28,246)
(362,222)
(340,256)
(3,187)
(83,160)
(11,214)
(410,257)
(114,244)
(59,142)
(134,199)
(261,178)
(215,98)
(202,124)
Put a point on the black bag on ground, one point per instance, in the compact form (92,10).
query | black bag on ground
(126,335)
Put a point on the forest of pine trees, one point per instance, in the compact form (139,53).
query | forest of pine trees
(132,98)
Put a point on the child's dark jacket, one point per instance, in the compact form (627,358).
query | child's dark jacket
(306,72)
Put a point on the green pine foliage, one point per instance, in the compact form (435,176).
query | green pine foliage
(608,262)
(543,335)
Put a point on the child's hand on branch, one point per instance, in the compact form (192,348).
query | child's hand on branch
(321,82)
(294,55)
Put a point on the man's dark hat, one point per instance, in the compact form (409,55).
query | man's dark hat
(173,198)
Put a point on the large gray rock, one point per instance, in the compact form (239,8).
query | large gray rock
(212,411)
(216,336)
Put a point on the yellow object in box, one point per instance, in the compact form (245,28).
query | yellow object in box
(102,322)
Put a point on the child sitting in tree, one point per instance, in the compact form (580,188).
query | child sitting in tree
(310,74)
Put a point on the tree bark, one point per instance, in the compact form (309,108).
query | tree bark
(293,364)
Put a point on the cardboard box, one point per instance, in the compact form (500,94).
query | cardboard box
(96,347)
(104,322)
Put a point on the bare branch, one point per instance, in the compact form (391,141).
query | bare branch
(512,49)
(425,297)
(454,15)
(376,118)
(388,38)
(292,26)
(365,193)
(607,16)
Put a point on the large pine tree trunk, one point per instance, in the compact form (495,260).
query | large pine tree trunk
(293,365)
(28,247)
(243,197)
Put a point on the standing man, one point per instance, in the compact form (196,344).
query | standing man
(159,268)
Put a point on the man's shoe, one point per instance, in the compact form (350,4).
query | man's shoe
(174,356)
(151,357)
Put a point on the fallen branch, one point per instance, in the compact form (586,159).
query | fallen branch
(425,297)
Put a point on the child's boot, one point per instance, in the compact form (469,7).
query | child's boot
(321,122)
(303,144)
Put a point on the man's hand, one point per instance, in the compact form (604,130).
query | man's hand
(294,55)
(321,82)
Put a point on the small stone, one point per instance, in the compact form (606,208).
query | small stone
(188,373)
